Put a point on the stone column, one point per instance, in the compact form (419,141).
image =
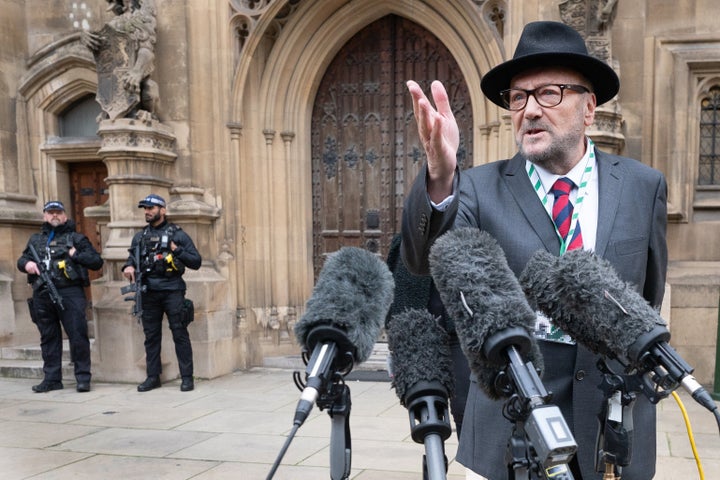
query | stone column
(139,155)
(214,333)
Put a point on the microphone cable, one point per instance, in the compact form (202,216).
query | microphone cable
(691,438)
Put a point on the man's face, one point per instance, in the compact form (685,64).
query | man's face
(154,215)
(553,137)
(55,217)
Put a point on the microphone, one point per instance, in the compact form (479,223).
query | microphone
(483,297)
(342,319)
(423,380)
(494,324)
(584,296)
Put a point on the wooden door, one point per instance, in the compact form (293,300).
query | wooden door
(88,189)
(365,148)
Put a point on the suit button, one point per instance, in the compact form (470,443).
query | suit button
(580,375)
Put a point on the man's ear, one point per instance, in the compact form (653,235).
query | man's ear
(590,106)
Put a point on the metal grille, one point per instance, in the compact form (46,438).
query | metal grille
(709,171)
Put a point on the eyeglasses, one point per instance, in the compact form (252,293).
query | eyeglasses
(545,95)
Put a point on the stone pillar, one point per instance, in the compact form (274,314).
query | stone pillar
(606,130)
(139,156)
(214,331)
(7,315)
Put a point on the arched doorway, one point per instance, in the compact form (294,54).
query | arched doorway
(365,151)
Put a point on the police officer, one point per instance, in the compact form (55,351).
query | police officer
(65,255)
(165,251)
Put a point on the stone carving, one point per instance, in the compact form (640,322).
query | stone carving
(593,20)
(124,51)
(246,14)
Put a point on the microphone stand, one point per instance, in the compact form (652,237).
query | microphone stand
(337,401)
(541,441)
(332,394)
(427,406)
(521,459)
(615,432)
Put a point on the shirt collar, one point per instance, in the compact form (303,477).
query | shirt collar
(548,179)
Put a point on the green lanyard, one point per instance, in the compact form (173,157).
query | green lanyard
(582,193)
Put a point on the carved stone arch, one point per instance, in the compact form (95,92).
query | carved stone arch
(706,84)
(58,75)
(274,88)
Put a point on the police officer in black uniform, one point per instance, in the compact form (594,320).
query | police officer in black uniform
(165,252)
(66,255)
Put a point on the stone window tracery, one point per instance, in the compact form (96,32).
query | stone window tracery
(709,147)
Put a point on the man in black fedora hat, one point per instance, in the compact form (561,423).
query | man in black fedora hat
(558,193)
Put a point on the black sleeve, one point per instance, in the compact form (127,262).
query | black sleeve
(186,251)
(26,256)
(130,262)
(85,254)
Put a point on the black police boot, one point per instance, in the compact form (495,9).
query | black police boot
(83,386)
(46,386)
(149,383)
(187,384)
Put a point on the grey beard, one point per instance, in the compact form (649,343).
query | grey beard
(556,157)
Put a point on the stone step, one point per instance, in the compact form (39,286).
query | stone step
(30,352)
(25,361)
(30,369)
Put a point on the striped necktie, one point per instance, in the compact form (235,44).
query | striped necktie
(562,212)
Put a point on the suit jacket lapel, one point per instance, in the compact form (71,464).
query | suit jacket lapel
(522,190)
(610,184)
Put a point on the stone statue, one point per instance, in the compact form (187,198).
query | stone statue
(124,51)
(605,12)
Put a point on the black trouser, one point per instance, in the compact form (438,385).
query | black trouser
(155,305)
(48,318)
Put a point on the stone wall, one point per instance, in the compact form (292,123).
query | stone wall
(237,81)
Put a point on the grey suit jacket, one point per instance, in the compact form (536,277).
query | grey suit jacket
(631,234)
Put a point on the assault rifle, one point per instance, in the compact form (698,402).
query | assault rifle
(136,288)
(46,279)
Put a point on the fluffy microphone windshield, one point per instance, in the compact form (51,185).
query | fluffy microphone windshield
(353,293)
(584,296)
(483,296)
(419,352)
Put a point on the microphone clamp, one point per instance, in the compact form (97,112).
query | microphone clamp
(427,404)
(347,353)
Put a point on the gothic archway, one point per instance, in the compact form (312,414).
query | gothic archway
(365,150)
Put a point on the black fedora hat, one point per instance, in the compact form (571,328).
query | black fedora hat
(551,44)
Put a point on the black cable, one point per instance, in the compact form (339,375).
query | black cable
(284,448)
